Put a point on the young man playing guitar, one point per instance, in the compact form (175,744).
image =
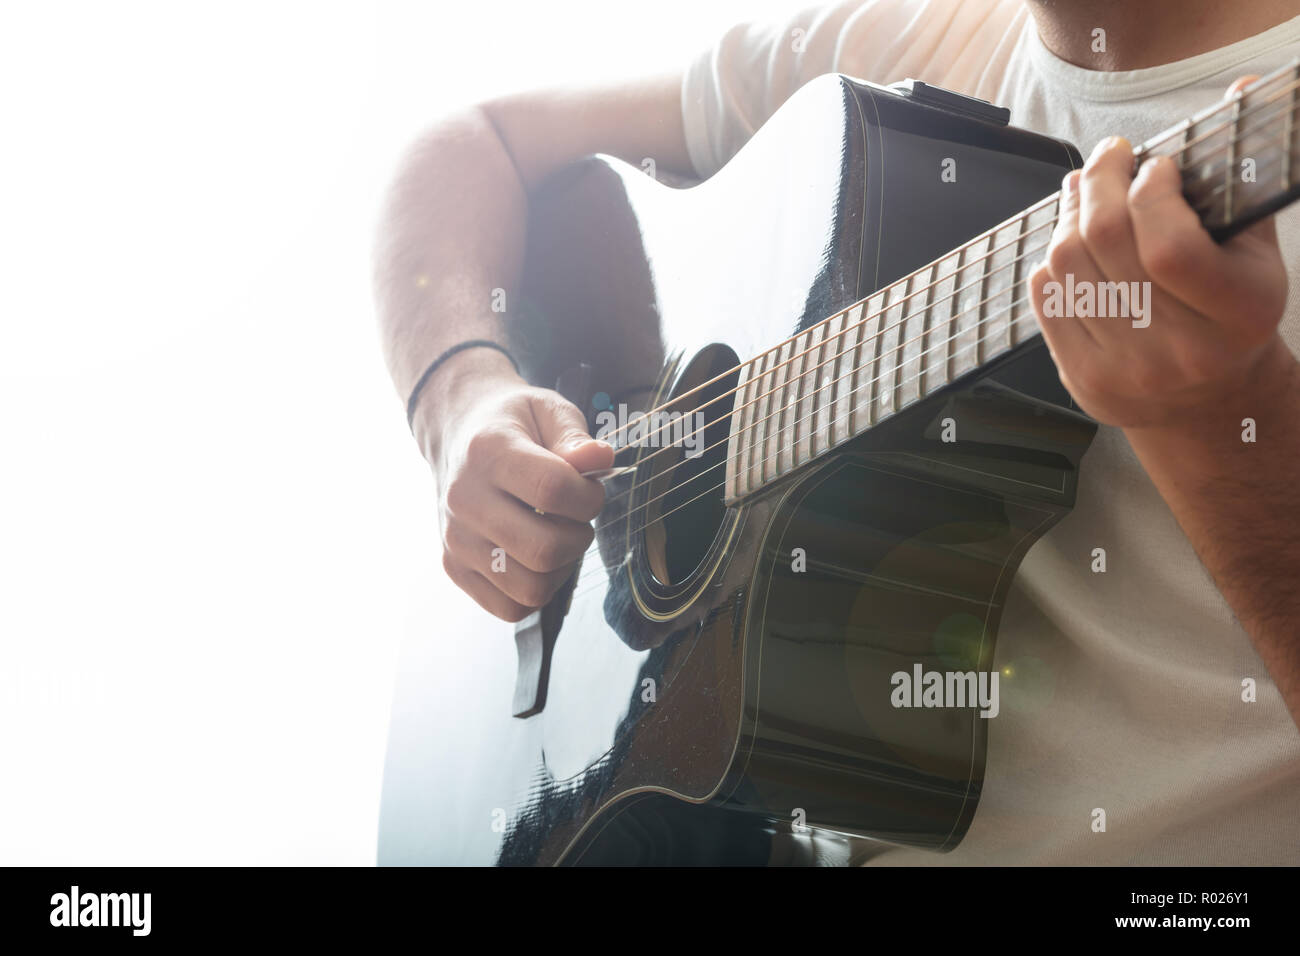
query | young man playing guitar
(1200,530)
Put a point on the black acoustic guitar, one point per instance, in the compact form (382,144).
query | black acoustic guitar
(839,434)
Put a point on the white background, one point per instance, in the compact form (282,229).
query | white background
(215,531)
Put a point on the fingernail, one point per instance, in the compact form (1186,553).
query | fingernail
(1111,142)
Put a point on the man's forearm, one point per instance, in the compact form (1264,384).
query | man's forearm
(452,234)
(451,241)
(1236,501)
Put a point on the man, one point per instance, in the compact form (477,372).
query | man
(1156,691)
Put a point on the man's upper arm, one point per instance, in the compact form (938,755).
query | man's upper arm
(692,121)
(636,120)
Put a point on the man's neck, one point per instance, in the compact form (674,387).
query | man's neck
(1143,33)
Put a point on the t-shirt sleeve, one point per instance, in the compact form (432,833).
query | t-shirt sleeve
(731,89)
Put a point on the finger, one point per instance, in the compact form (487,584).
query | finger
(1104,221)
(1068,262)
(542,480)
(543,543)
(1240,84)
(521,584)
(483,593)
(466,497)
(1174,248)
(1067,340)
(563,430)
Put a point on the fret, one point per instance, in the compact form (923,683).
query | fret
(913,337)
(830,373)
(1249,133)
(812,397)
(798,365)
(982,303)
(864,377)
(1287,122)
(1230,167)
(739,439)
(737,449)
(846,365)
(1016,333)
(840,377)
(1184,159)
(757,427)
(768,414)
(858,336)
(1198,166)
(1033,250)
(886,373)
(1288,134)
(954,304)
(927,318)
(778,451)
(924,378)
(1183,135)
(907,286)
(1000,284)
(942,310)
(966,320)
(783,421)
(871,374)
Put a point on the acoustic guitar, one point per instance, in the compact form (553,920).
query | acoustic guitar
(838,432)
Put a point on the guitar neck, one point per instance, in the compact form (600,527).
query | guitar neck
(846,374)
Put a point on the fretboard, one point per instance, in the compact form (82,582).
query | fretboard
(912,338)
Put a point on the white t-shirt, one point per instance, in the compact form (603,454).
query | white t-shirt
(1126,692)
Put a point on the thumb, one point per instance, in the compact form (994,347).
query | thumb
(562,430)
(1239,84)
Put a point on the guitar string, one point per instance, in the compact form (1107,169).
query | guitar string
(818,409)
(860,345)
(875,360)
(823,409)
(1146,150)
(857,408)
(989,236)
(1211,161)
(1259,167)
(866,318)
(863,344)
(600,570)
(841,336)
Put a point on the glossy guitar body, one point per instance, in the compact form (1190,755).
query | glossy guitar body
(722,674)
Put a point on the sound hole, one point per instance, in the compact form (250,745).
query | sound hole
(688,445)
